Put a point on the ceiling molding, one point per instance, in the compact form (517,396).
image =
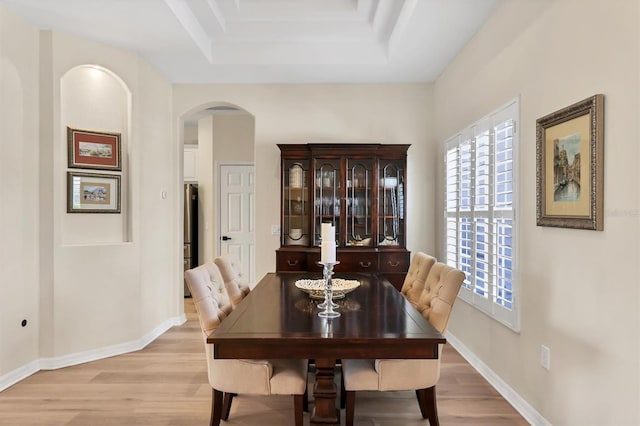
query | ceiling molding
(273,41)
(294,31)
(183,12)
(213,5)
(402,21)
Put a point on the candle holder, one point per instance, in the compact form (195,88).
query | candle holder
(328,305)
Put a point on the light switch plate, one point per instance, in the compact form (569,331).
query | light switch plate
(545,357)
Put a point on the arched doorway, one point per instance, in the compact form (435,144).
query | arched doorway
(217,138)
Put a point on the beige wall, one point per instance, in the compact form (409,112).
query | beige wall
(141,256)
(301,113)
(579,292)
(222,137)
(206,190)
(233,137)
(19,198)
(88,285)
(551,53)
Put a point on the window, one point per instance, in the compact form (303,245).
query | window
(480,212)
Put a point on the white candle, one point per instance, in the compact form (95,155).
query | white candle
(328,252)
(327,232)
(328,245)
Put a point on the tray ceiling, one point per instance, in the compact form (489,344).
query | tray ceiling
(200,41)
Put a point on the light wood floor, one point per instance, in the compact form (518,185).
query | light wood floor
(166,384)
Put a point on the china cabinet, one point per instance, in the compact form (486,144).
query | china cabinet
(358,188)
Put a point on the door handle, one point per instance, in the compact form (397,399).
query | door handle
(225,238)
(365,264)
(292,263)
(393,264)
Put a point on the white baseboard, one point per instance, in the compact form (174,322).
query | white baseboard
(53,363)
(520,404)
(20,373)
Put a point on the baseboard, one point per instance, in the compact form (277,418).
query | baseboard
(520,404)
(53,363)
(20,373)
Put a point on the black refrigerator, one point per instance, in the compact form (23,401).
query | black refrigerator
(190,229)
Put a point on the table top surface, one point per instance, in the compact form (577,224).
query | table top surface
(278,320)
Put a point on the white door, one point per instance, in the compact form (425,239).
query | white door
(237,215)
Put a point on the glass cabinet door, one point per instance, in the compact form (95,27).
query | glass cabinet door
(391,204)
(295,203)
(359,222)
(327,196)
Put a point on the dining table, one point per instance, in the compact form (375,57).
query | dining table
(278,320)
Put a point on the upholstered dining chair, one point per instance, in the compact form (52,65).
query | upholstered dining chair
(229,377)
(234,280)
(435,303)
(414,281)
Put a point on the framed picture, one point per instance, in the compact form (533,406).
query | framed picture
(93,193)
(89,149)
(570,162)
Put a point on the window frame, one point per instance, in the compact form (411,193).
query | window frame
(465,255)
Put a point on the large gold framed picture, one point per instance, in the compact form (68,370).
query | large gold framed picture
(570,162)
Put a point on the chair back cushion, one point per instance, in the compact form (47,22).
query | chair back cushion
(233,278)
(209,296)
(414,281)
(439,294)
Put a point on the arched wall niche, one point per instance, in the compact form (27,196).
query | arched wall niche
(94,98)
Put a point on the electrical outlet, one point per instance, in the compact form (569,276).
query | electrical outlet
(545,357)
(275,229)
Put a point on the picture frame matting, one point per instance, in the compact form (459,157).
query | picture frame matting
(92,149)
(93,193)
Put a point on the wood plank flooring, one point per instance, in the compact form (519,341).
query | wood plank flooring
(165,384)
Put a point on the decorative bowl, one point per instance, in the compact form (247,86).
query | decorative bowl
(339,287)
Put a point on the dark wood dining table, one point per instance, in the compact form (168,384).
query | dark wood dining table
(278,320)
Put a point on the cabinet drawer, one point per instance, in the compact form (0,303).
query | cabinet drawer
(394,262)
(358,262)
(291,261)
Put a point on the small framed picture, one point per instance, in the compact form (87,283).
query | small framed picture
(570,163)
(93,193)
(89,149)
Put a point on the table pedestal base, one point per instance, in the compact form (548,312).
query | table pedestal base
(325,392)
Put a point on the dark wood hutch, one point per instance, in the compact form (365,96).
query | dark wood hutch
(361,190)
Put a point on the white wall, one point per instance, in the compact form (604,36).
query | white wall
(579,290)
(19,198)
(301,113)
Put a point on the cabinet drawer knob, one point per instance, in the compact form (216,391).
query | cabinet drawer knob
(393,264)
(292,263)
(365,264)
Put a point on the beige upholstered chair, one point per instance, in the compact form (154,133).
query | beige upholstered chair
(229,377)
(435,304)
(234,281)
(414,281)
